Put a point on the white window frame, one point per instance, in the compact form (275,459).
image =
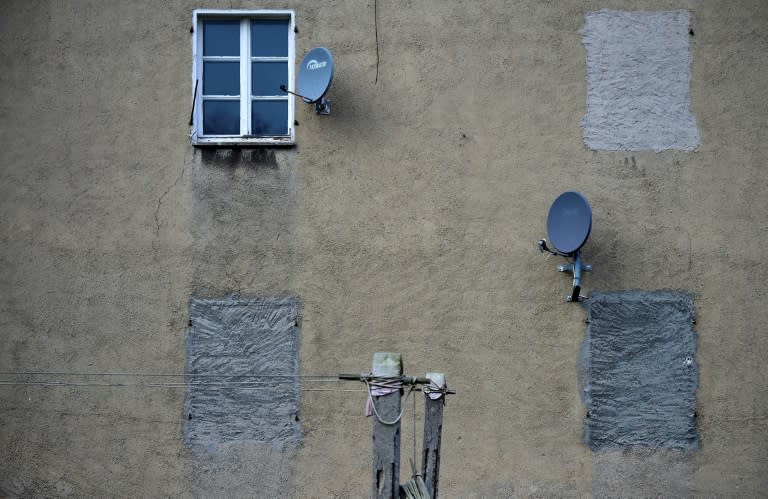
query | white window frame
(244,16)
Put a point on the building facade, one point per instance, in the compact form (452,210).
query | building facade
(405,221)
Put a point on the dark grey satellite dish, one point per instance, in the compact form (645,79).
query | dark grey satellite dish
(569,224)
(314,78)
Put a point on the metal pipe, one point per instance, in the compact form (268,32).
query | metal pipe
(575,296)
(406,380)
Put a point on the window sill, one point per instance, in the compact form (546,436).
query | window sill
(242,141)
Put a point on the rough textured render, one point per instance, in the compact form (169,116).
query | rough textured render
(249,342)
(641,371)
(643,472)
(405,221)
(638,81)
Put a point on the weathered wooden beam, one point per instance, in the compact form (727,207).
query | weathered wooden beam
(386,437)
(433,430)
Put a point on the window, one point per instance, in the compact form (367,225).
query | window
(241,59)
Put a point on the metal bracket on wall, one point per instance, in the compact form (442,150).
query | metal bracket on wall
(575,268)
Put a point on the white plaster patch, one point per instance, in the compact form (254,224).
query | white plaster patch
(638,81)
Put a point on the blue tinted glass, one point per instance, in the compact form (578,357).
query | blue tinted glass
(266,78)
(221,117)
(221,78)
(221,37)
(269,38)
(269,117)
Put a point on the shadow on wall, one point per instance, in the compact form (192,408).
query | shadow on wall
(246,157)
(243,205)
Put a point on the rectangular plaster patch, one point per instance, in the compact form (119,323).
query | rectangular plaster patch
(643,473)
(640,371)
(242,367)
(638,81)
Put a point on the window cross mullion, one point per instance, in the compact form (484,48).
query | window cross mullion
(269,97)
(245,77)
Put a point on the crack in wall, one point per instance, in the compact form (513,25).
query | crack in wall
(164,194)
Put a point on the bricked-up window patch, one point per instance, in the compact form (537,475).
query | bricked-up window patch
(638,81)
(238,349)
(640,371)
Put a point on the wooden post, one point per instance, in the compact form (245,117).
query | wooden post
(386,437)
(433,429)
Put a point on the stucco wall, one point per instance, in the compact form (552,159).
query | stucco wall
(404,221)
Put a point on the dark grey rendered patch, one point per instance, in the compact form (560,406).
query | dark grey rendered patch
(639,371)
(238,340)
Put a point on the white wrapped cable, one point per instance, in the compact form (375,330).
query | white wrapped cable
(437,387)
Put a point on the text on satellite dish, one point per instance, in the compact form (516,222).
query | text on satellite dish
(313,64)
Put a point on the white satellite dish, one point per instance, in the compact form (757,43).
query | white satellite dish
(314,79)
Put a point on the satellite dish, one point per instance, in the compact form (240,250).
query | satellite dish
(569,222)
(314,78)
(568,225)
(315,74)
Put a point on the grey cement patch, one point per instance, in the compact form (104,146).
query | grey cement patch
(639,371)
(643,473)
(638,81)
(242,220)
(237,338)
(237,470)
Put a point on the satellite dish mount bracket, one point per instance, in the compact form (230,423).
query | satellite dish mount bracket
(576,268)
(323,106)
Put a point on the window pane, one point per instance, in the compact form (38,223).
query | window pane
(221,37)
(269,38)
(221,117)
(267,77)
(269,117)
(221,78)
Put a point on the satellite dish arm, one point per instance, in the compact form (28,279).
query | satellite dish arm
(545,249)
(282,87)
